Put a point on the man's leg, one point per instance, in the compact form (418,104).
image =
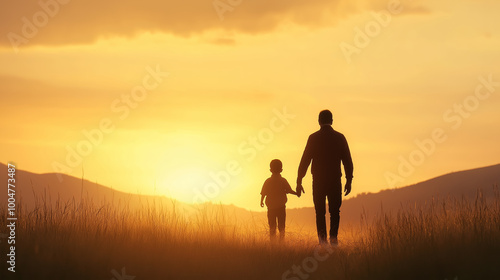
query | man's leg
(271,219)
(334,203)
(281,213)
(320,207)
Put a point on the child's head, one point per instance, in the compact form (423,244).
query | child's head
(276,166)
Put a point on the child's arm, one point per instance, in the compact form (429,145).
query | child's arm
(262,200)
(289,189)
(295,193)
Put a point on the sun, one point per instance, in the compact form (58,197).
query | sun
(184,183)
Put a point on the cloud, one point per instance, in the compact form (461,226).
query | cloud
(63,22)
(408,7)
(223,41)
(34,95)
(416,10)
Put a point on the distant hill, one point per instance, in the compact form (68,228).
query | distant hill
(456,184)
(46,188)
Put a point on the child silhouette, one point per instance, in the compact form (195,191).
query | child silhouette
(274,190)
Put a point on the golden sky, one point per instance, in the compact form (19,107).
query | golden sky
(193,99)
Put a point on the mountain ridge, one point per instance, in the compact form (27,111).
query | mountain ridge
(49,189)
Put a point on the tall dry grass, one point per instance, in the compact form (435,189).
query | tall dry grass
(444,239)
(454,238)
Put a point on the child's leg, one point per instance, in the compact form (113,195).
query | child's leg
(281,213)
(271,219)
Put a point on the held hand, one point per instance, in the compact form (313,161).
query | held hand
(299,189)
(347,189)
(261,204)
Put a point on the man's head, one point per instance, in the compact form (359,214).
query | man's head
(276,166)
(325,117)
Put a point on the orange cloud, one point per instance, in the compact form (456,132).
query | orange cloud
(61,22)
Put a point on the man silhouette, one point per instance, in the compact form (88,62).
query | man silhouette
(326,148)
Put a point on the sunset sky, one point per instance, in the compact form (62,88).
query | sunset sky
(194,98)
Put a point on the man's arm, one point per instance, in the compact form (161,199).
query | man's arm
(303,166)
(348,166)
(262,200)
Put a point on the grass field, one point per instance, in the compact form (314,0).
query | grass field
(445,239)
